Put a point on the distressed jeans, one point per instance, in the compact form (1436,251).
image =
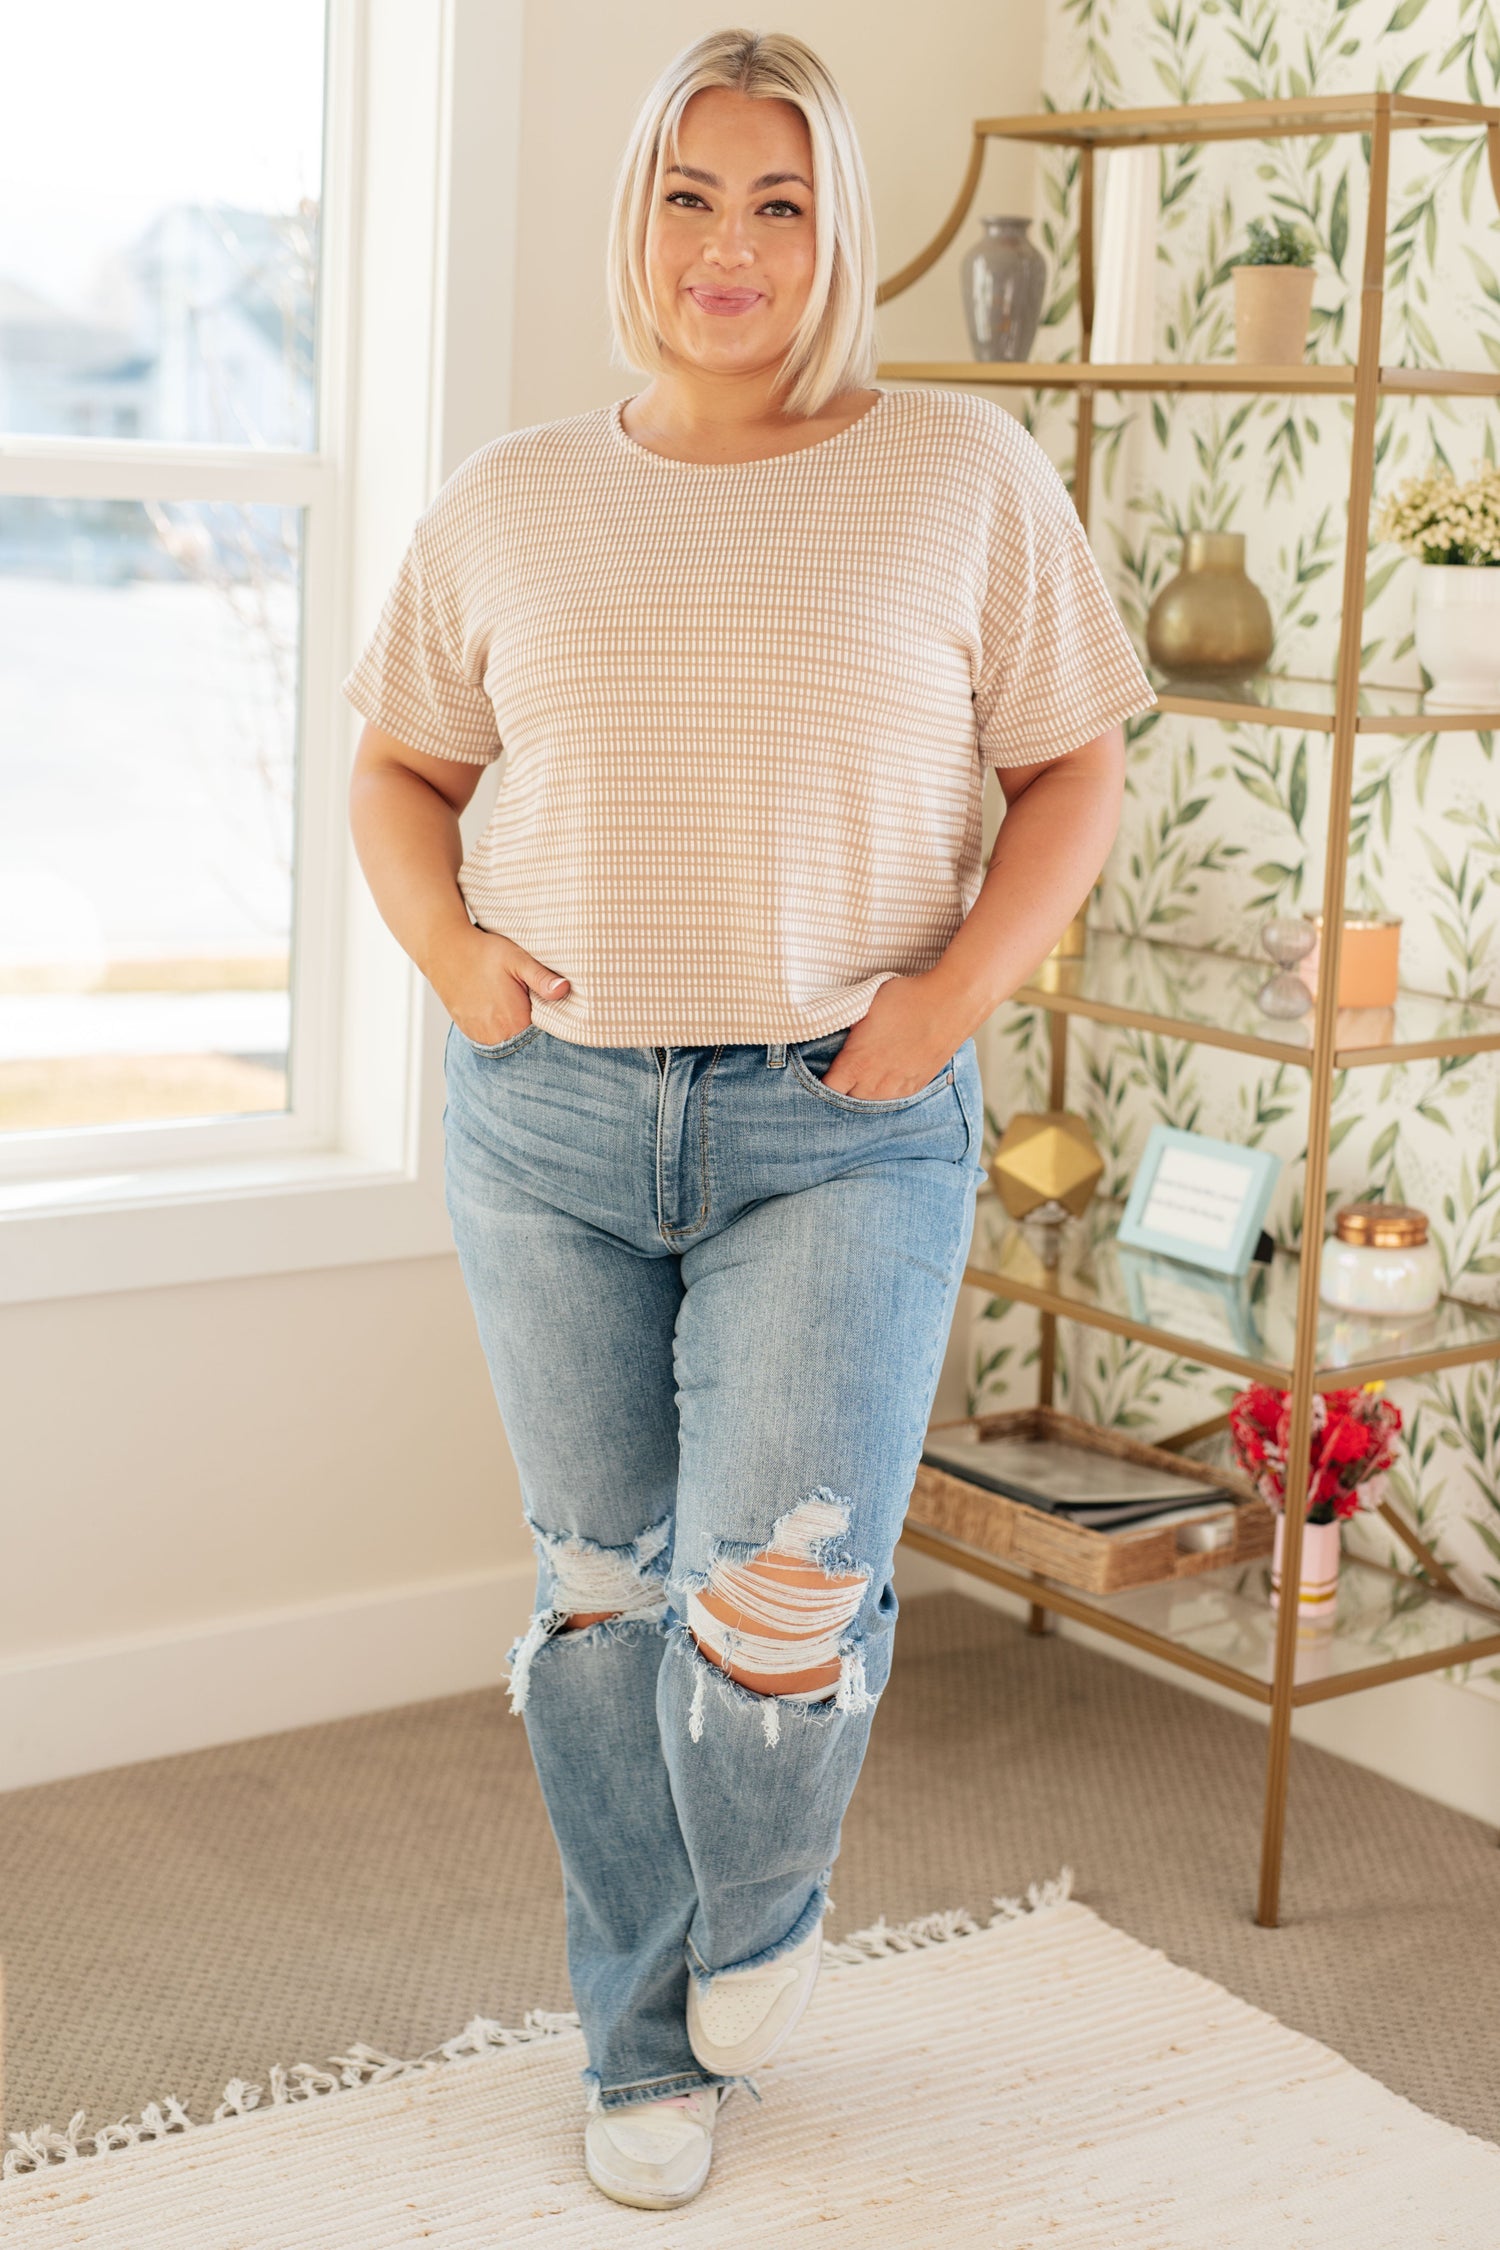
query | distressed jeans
(713,1296)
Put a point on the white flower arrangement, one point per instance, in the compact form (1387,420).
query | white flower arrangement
(1439,520)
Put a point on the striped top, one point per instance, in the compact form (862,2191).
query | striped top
(747,706)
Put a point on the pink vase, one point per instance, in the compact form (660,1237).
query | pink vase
(1319,1573)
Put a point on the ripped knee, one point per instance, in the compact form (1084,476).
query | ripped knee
(590,1584)
(777,1623)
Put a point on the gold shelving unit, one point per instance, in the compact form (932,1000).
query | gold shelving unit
(1270,1327)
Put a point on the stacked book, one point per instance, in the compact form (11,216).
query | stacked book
(1073,1482)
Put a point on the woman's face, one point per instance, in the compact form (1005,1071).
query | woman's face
(730,243)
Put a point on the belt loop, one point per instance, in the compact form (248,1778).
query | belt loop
(776,1055)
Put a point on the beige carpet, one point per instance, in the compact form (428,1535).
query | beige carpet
(1043,2081)
(170,1926)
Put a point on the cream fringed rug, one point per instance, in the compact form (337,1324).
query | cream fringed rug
(1042,2080)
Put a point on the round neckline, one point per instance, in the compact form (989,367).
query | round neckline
(622,437)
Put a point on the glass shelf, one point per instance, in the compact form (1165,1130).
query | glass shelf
(1380,1619)
(1233,121)
(1301,377)
(1221,1623)
(1282,699)
(1188,992)
(1247,1326)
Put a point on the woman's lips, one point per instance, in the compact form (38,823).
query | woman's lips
(725,300)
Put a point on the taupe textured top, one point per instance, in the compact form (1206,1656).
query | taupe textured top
(746,706)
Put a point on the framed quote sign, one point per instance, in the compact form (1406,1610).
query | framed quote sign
(1200,1200)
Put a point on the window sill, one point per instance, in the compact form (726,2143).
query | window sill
(213,1222)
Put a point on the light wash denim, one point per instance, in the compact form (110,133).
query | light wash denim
(714,1298)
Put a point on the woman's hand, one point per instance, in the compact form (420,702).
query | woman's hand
(899,1044)
(1060,820)
(486,982)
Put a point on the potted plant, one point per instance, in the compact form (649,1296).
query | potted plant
(1453,529)
(1273,286)
(1352,1440)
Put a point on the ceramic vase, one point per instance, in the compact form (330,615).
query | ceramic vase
(1319,1589)
(1211,620)
(1004,278)
(1458,634)
(1271,308)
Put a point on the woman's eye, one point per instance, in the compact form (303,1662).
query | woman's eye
(778,205)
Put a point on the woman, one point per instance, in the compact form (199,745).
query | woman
(750,638)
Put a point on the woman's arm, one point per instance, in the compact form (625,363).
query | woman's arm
(1060,821)
(403,814)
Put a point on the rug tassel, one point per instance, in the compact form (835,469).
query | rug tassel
(362,2066)
(884,1939)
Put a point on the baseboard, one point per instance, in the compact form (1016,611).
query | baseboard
(1428,1733)
(82,1709)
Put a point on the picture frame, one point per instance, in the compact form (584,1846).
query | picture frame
(1199,1200)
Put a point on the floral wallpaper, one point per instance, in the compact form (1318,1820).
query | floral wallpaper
(1225,824)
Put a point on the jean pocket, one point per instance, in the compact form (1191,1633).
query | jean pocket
(808,1075)
(499,1047)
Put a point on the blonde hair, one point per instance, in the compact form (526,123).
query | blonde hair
(833,346)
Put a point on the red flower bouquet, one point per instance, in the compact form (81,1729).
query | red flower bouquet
(1352,1439)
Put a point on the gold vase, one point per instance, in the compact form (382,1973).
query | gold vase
(1211,621)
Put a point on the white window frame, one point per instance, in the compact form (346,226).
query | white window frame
(353,1172)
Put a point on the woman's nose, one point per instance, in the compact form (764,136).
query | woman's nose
(727,246)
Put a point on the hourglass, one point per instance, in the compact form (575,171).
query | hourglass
(1288,939)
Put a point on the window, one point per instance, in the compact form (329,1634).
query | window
(166,476)
(214,1059)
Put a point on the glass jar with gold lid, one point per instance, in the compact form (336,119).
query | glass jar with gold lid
(1379,1260)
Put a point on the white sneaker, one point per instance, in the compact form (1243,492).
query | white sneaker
(747,2015)
(653,2155)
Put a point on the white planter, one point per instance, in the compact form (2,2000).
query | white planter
(1318,1573)
(1458,634)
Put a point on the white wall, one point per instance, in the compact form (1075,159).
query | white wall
(238,1506)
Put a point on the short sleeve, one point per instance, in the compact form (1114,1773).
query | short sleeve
(1057,665)
(412,678)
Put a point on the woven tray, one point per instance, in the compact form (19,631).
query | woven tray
(1096,1562)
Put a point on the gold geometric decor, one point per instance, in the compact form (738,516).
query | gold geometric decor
(1046,1166)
